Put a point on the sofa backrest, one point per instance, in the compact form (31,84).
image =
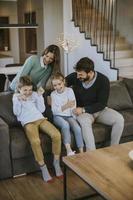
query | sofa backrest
(119,98)
(129,84)
(6,109)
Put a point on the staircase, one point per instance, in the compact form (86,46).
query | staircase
(124,58)
(97,19)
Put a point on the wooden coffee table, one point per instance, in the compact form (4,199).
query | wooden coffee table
(109,171)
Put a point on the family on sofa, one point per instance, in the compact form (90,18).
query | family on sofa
(91,89)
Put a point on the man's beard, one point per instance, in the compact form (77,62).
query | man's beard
(84,79)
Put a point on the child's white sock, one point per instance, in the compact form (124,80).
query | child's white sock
(69,150)
(45,174)
(70,153)
(57,167)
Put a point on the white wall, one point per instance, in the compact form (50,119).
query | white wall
(53,20)
(125,19)
(53,23)
(40,30)
(85,49)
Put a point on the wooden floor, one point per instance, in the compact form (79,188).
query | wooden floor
(32,187)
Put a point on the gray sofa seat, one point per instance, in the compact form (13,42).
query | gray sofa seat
(16,156)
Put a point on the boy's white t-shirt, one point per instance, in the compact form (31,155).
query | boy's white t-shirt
(60,99)
(30,110)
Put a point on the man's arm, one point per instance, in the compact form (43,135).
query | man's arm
(102,98)
(71,79)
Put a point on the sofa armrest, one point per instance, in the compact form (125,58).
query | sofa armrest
(5,160)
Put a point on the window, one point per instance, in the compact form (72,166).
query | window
(30,34)
(4,35)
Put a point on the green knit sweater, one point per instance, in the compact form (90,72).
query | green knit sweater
(33,68)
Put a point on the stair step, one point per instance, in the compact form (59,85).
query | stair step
(119,41)
(122,46)
(123,54)
(105,33)
(124,62)
(127,76)
(119,46)
(105,27)
(125,71)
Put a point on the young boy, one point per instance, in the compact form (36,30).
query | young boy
(28,106)
(63,102)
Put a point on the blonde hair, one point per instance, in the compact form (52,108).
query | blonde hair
(58,76)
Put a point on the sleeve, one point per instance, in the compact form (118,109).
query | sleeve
(102,98)
(24,71)
(17,105)
(71,79)
(27,66)
(55,105)
(39,102)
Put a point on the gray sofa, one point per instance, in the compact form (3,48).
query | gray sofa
(16,156)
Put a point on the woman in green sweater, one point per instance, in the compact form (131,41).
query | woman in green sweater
(39,68)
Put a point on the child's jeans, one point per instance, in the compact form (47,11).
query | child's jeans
(67,123)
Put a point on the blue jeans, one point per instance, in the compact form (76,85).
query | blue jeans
(66,124)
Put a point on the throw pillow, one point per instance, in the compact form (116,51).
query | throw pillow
(119,97)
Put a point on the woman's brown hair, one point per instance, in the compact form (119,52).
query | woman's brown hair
(56,51)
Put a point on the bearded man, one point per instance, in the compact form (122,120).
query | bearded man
(91,89)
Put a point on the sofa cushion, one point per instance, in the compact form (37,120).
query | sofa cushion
(119,97)
(6,109)
(20,146)
(101,132)
(128,122)
(129,84)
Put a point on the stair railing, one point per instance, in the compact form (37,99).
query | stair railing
(97,19)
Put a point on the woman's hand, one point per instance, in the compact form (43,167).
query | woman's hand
(40,91)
